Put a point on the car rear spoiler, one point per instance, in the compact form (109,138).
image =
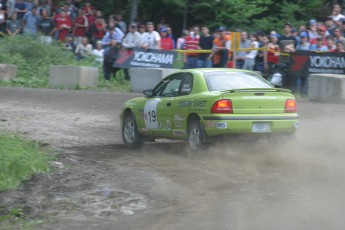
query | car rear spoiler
(257,90)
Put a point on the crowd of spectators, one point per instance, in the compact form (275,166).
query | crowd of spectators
(84,30)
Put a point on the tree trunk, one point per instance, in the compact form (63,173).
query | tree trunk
(134,10)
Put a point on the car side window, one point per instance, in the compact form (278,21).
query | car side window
(187,84)
(169,87)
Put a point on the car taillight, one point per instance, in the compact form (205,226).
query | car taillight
(222,106)
(290,106)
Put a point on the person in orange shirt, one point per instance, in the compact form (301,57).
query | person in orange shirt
(221,48)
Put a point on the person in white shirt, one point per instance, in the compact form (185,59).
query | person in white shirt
(336,14)
(98,52)
(152,39)
(249,60)
(84,49)
(131,41)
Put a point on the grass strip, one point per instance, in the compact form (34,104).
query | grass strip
(20,159)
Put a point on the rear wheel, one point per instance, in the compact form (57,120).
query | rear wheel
(130,135)
(196,136)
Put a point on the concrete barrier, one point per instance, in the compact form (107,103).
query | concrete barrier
(328,88)
(72,77)
(147,78)
(7,72)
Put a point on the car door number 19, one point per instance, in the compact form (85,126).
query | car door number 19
(150,114)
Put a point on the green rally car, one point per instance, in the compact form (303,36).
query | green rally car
(198,105)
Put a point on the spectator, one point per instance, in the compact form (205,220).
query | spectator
(261,58)
(304,45)
(322,33)
(80,27)
(330,25)
(98,52)
(10,8)
(2,20)
(205,43)
(88,9)
(339,47)
(63,25)
(221,48)
(113,34)
(244,44)
(13,25)
(170,34)
(301,82)
(319,46)
(166,42)
(20,9)
(273,54)
(191,43)
(46,27)
(97,30)
(181,41)
(330,43)
(142,32)
(151,39)
(84,49)
(45,6)
(110,55)
(71,9)
(131,41)
(339,36)
(68,43)
(30,22)
(336,14)
(312,31)
(29,5)
(249,61)
(122,24)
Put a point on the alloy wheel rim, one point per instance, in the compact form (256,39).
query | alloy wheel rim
(194,138)
(129,132)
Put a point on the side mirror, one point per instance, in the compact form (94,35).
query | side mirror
(148,92)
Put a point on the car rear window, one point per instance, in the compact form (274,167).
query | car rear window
(234,80)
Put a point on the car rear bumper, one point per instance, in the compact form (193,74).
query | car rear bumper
(249,124)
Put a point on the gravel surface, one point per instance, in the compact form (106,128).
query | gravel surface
(97,183)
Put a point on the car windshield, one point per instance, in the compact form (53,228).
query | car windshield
(234,80)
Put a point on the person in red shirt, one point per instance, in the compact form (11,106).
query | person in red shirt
(339,47)
(88,9)
(80,27)
(97,30)
(166,42)
(63,25)
(322,33)
(191,43)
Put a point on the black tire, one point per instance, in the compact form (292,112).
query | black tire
(130,135)
(196,135)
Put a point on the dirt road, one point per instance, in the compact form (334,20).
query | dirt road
(237,185)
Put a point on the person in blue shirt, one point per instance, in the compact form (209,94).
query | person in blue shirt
(318,46)
(113,34)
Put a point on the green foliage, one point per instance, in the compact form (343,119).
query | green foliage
(33,59)
(19,160)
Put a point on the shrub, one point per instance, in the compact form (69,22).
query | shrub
(33,59)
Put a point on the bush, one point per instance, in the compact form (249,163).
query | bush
(33,59)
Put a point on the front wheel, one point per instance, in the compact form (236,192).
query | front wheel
(130,135)
(196,136)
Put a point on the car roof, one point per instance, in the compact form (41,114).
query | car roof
(207,70)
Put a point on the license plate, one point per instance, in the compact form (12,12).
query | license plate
(261,127)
